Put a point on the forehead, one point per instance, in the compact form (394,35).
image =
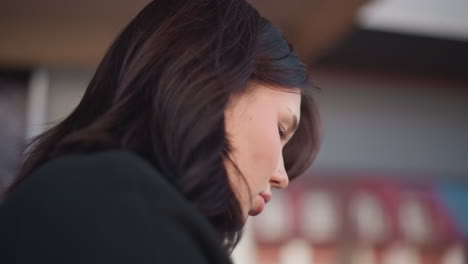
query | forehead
(288,99)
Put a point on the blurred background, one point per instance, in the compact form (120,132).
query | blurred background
(390,184)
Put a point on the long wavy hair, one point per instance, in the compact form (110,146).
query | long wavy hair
(161,91)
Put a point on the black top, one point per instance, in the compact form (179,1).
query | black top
(107,207)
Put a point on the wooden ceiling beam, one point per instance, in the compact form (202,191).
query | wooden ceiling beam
(66,32)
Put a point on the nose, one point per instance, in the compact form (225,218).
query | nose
(280,178)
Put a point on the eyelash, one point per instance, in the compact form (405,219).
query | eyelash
(282,134)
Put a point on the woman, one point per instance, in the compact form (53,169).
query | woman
(196,111)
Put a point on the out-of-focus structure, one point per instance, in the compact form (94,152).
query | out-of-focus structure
(390,184)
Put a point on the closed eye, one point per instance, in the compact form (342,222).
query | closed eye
(282,134)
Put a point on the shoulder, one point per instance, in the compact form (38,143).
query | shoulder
(95,167)
(112,201)
(101,178)
(97,174)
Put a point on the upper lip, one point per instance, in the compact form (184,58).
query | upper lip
(266,197)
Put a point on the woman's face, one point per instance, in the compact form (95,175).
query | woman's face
(259,123)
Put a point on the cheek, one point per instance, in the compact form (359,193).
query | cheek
(261,152)
(265,151)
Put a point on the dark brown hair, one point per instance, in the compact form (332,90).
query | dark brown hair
(161,91)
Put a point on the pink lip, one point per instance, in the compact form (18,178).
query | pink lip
(259,209)
(266,197)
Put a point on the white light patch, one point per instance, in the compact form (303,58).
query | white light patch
(296,251)
(414,220)
(454,255)
(368,217)
(401,254)
(275,222)
(319,215)
(445,19)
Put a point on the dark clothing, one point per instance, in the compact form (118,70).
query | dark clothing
(107,207)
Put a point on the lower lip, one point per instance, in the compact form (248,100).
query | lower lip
(260,207)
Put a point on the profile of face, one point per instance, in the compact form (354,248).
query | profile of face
(259,123)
